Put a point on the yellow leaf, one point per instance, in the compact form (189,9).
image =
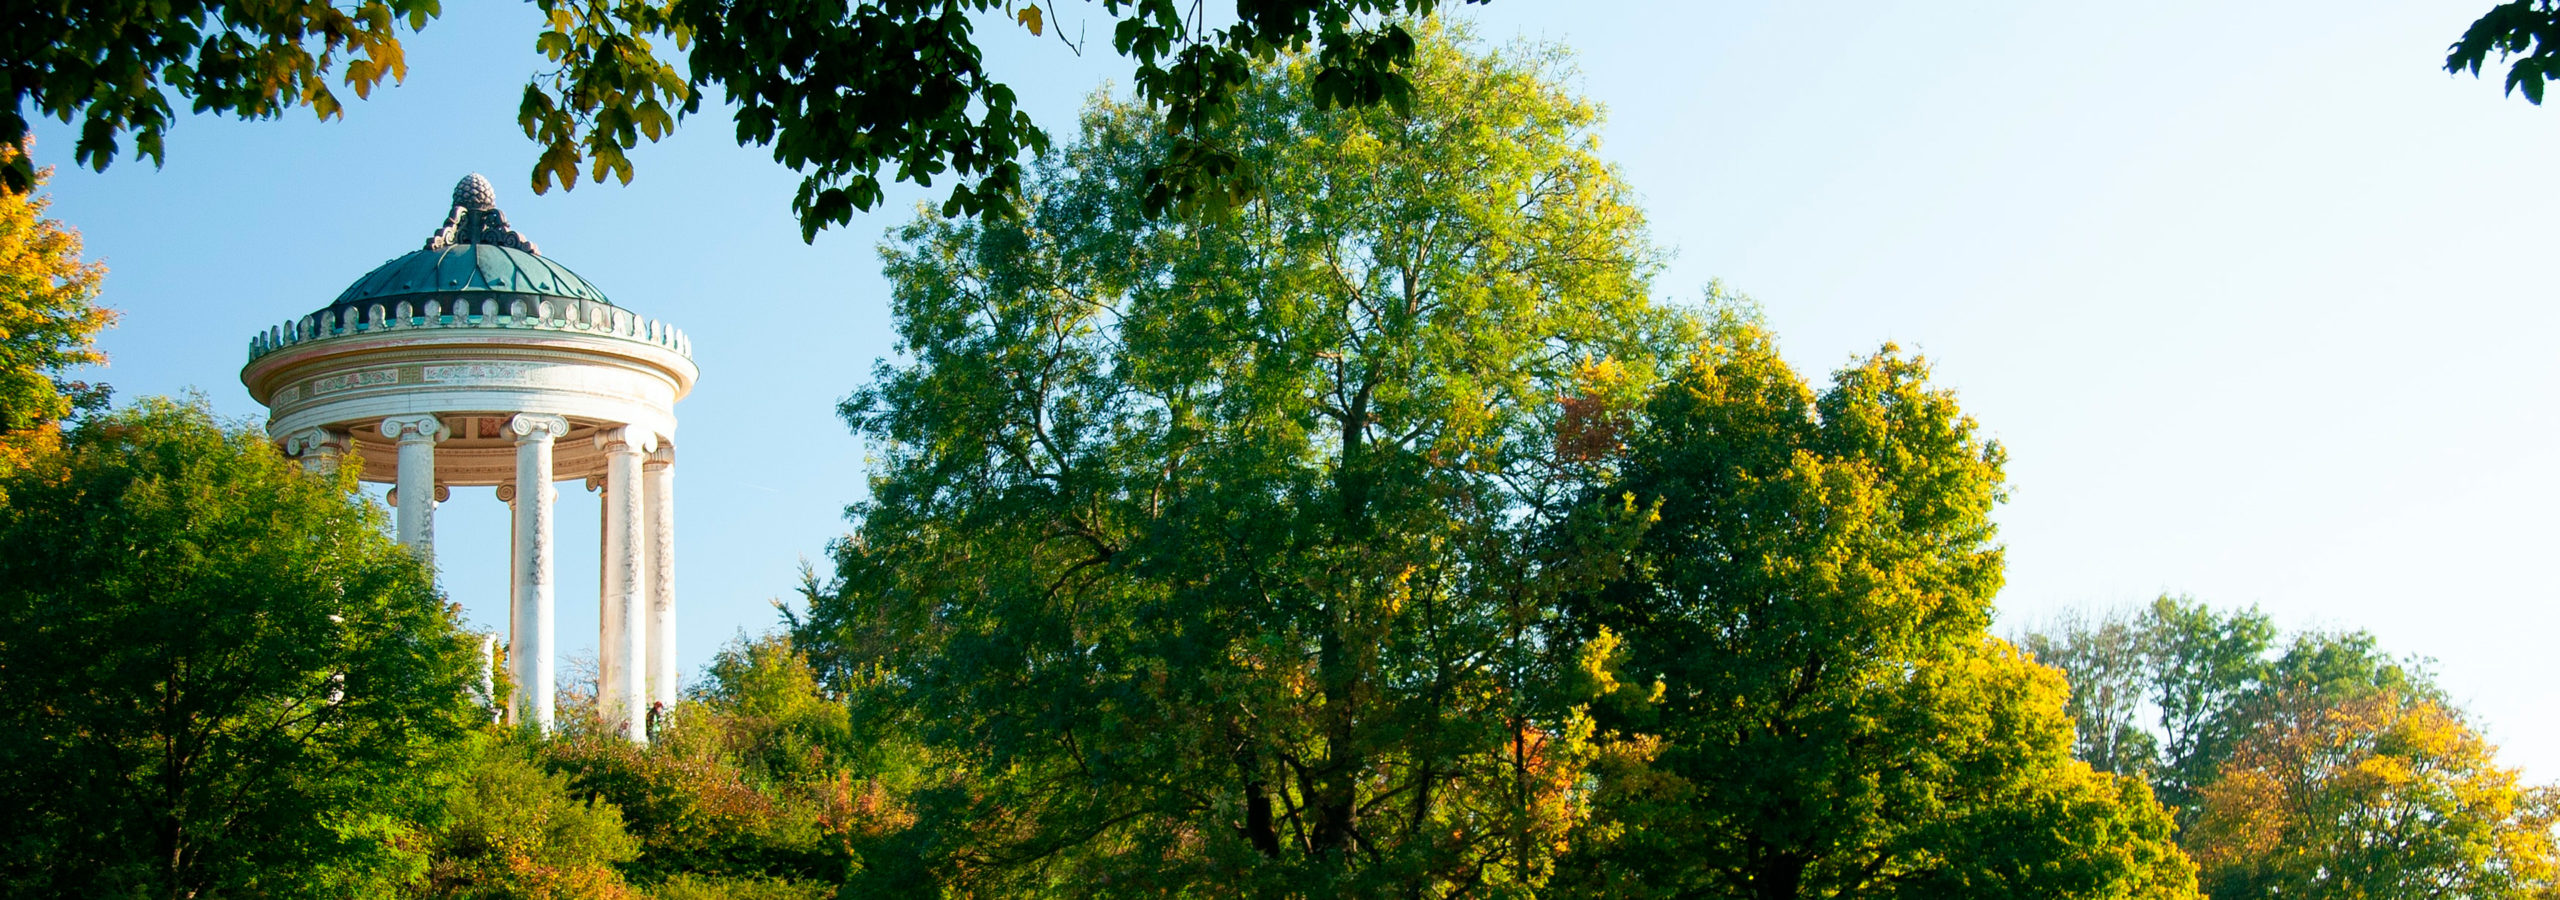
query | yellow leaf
(1030,18)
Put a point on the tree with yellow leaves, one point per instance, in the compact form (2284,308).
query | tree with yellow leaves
(49,320)
(1828,715)
(2379,794)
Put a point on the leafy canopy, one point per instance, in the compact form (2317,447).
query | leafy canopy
(115,64)
(49,318)
(226,679)
(846,92)
(2378,794)
(2524,31)
(2168,692)
(1200,548)
(1829,717)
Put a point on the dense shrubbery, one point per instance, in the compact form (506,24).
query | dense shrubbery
(752,789)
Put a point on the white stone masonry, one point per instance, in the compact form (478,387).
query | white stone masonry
(417,479)
(659,477)
(532,643)
(622,691)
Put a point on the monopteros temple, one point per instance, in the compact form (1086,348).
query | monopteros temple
(478,361)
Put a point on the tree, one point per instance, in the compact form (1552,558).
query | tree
(2103,662)
(115,64)
(840,91)
(49,318)
(225,679)
(2526,31)
(1832,718)
(1200,548)
(2208,679)
(512,830)
(2377,794)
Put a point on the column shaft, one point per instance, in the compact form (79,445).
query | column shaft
(659,488)
(532,643)
(515,594)
(416,480)
(622,691)
(489,675)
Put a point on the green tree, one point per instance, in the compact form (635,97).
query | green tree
(1201,547)
(49,319)
(225,679)
(511,830)
(2208,676)
(2375,793)
(2110,682)
(2525,31)
(841,91)
(1832,717)
(2343,665)
(116,64)
(2207,679)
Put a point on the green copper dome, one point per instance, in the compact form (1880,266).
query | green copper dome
(475,256)
(468,268)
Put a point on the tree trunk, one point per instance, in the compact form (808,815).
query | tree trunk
(1335,802)
(1778,876)
(1259,828)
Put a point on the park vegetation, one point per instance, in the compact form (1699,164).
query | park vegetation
(1377,535)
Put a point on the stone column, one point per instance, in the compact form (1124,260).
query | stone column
(319,449)
(416,493)
(622,689)
(489,675)
(658,479)
(531,641)
(515,594)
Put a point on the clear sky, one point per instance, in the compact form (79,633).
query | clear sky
(2260,301)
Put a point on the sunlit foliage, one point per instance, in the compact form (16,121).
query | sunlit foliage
(2376,795)
(2168,691)
(1200,548)
(49,319)
(226,680)
(512,830)
(753,787)
(1828,716)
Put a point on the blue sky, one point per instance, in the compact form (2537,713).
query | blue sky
(2259,299)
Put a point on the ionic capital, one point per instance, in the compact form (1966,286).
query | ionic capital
(537,427)
(662,457)
(633,438)
(443,493)
(420,427)
(310,440)
(507,492)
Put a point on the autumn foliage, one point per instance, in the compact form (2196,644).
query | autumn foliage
(49,319)
(2380,795)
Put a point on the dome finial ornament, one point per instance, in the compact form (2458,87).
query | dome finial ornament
(475,194)
(475,219)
